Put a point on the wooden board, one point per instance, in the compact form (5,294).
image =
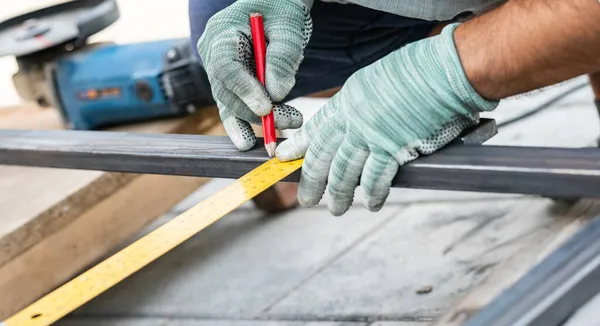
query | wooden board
(40,201)
(56,222)
(29,117)
(89,237)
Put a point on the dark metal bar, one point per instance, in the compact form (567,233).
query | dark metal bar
(553,290)
(555,172)
(477,135)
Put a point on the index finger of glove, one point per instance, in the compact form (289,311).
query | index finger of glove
(229,62)
(239,131)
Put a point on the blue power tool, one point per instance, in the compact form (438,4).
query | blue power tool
(100,85)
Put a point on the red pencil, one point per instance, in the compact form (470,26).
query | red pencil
(260,57)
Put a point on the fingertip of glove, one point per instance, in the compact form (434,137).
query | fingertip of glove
(296,124)
(308,200)
(287,123)
(297,120)
(246,147)
(337,210)
(309,192)
(244,144)
(287,117)
(262,107)
(285,152)
(277,95)
(373,206)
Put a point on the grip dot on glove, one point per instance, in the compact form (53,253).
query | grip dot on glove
(245,53)
(446,135)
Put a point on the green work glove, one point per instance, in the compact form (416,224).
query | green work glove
(411,102)
(227,54)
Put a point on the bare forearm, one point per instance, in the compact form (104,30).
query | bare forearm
(528,44)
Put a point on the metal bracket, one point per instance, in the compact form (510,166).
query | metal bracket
(477,135)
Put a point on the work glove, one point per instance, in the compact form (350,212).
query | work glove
(412,102)
(226,50)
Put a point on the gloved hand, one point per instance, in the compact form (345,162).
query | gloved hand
(411,102)
(226,50)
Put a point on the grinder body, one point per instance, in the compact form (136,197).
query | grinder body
(100,84)
(111,84)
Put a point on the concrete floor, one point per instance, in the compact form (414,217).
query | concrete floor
(305,267)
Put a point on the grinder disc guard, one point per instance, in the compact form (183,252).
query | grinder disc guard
(69,22)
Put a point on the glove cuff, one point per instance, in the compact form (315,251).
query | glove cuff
(456,74)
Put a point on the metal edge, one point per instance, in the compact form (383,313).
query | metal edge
(552,290)
(557,172)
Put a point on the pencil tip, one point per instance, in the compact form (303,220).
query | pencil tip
(270,147)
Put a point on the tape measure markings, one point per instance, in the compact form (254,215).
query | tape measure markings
(114,269)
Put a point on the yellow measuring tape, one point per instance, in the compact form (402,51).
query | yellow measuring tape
(111,271)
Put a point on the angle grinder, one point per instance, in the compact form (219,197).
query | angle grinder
(104,84)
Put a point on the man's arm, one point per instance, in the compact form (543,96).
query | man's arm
(528,44)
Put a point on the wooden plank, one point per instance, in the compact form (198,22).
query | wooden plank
(43,241)
(55,222)
(29,116)
(40,202)
(48,213)
(89,237)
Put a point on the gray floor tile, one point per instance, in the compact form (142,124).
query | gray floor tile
(197,322)
(449,247)
(238,266)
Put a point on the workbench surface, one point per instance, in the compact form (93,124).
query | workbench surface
(306,267)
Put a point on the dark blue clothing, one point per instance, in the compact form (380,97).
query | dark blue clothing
(345,38)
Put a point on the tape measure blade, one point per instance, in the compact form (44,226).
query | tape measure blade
(134,257)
